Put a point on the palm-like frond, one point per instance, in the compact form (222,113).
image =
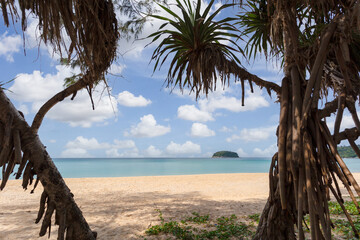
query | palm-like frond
(255,23)
(196,42)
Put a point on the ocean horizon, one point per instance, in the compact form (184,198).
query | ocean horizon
(134,167)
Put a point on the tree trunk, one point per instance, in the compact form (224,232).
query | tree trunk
(56,195)
(306,168)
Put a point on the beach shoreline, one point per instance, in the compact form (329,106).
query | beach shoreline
(124,207)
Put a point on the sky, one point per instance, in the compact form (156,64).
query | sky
(140,117)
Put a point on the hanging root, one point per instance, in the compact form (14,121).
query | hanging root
(10,150)
(28,175)
(17,146)
(41,211)
(46,224)
(60,218)
(24,160)
(6,142)
(8,171)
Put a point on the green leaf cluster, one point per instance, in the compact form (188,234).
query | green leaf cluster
(197,45)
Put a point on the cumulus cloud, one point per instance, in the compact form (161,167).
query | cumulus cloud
(75,153)
(116,69)
(346,122)
(80,146)
(24,109)
(201,130)
(128,99)
(32,38)
(84,143)
(183,149)
(191,113)
(253,134)
(130,153)
(241,153)
(252,101)
(222,99)
(147,127)
(152,151)
(226,129)
(9,45)
(121,144)
(36,88)
(267,152)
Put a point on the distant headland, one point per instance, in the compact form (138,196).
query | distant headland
(225,154)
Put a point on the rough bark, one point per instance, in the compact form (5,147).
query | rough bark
(307,166)
(59,197)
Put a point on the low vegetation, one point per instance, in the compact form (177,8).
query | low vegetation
(201,227)
(198,227)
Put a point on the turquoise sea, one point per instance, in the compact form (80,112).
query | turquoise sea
(127,167)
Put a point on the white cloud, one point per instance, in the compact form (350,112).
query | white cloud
(75,153)
(226,129)
(253,134)
(152,151)
(201,130)
(116,69)
(81,145)
(346,122)
(183,149)
(112,153)
(252,101)
(241,153)
(121,144)
(267,152)
(128,99)
(37,88)
(147,127)
(191,113)
(84,143)
(130,153)
(24,109)
(9,45)
(32,39)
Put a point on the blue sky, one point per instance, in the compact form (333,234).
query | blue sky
(141,117)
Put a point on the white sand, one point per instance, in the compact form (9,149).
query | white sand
(123,208)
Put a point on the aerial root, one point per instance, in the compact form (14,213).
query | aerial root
(6,141)
(35,185)
(27,176)
(345,211)
(24,160)
(61,221)
(70,233)
(47,218)
(17,146)
(6,173)
(41,211)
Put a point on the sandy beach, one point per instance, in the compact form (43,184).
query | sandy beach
(123,208)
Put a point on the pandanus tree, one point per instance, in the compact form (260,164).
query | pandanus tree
(85,32)
(318,44)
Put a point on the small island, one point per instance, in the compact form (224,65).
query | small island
(225,154)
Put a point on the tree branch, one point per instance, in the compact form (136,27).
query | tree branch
(243,74)
(329,108)
(53,101)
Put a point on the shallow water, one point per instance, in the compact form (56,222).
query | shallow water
(126,167)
